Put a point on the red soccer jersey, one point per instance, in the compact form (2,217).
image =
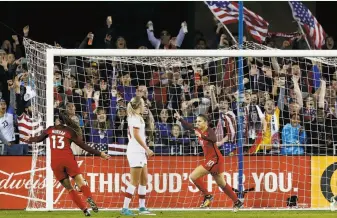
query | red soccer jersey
(60,142)
(209,146)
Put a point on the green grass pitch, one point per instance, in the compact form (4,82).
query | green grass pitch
(175,214)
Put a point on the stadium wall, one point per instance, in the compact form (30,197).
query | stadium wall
(275,178)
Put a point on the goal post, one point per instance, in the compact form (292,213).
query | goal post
(274,177)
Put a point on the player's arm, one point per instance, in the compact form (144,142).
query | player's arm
(186,124)
(211,137)
(139,139)
(79,142)
(39,138)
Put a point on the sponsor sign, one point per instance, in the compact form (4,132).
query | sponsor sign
(274,179)
(323,180)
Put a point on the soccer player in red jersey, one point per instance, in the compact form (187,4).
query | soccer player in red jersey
(214,163)
(63,162)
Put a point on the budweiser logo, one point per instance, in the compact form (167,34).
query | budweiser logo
(38,183)
(15,184)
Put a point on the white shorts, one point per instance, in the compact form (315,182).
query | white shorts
(137,159)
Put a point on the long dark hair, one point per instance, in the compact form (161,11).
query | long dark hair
(65,119)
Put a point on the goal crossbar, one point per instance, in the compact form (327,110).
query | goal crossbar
(191,53)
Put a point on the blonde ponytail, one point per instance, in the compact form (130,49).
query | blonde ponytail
(133,105)
(130,111)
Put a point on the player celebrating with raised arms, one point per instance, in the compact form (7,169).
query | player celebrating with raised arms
(213,164)
(63,162)
(137,154)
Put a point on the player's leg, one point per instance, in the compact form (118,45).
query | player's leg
(74,171)
(80,181)
(142,187)
(197,178)
(227,189)
(142,192)
(74,196)
(135,173)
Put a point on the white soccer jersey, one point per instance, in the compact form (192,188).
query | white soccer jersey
(138,123)
(7,125)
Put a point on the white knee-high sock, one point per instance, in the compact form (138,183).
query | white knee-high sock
(141,195)
(128,195)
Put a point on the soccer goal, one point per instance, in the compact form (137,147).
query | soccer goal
(279,90)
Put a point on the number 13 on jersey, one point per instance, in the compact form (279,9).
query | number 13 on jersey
(58,142)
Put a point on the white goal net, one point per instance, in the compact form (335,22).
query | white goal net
(289,123)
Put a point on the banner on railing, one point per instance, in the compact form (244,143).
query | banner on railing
(274,179)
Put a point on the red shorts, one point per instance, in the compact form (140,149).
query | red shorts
(65,167)
(214,166)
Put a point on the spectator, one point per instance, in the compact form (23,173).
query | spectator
(179,144)
(121,127)
(175,92)
(159,83)
(125,89)
(329,43)
(293,135)
(121,43)
(7,121)
(165,41)
(271,126)
(163,127)
(71,112)
(100,130)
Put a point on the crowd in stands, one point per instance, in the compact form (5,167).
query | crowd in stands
(289,103)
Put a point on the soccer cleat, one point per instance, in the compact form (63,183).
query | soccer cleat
(333,203)
(127,212)
(86,212)
(237,205)
(93,205)
(207,201)
(145,211)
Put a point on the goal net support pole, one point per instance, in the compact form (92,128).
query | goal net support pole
(241,108)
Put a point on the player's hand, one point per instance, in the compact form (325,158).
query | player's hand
(105,156)
(149,152)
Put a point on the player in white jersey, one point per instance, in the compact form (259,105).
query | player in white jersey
(7,135)
(137,154)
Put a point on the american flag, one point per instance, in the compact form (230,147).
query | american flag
(303,15)
(228,12)
(112,149)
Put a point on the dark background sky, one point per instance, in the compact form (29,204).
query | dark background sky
(69,22)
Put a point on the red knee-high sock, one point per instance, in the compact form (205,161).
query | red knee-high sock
(229,192)
(86,191)
(77,200)
(201,186)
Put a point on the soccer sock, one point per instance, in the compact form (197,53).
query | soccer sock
(77,200)
(141,195)
(128,195)
(230,193)
(86,191)
(201,186)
